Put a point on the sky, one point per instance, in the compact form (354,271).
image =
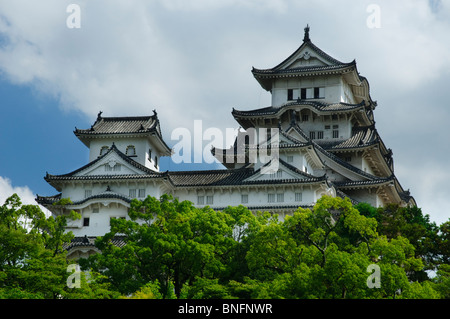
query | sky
(191,60)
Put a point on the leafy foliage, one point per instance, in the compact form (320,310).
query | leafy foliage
(175,250)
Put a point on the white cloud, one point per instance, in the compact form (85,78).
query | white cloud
(191,60)
(7,189)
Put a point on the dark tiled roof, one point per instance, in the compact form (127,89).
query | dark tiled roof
(48,200)
(362,137)
(108,194)
(121,125)
(319,106)
(113,148)
(89,241)
(332,61)
(306,69)
(375,181)
(140,125)
(209,177)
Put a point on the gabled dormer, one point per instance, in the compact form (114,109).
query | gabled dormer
(137,137)
(311,74)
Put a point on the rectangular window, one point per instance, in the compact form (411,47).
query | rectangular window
(244,198)
(312,135)
(271,198)
(309,93)
(319,93)
(142,193)
(335,133)
(320,135)
(87,193)
(132,193)
(290,94)
(298,197)
(316,93)
(209,200)
(305,118)
(290,158)
(303,94)
(280,198)
(200,200)
(86,221)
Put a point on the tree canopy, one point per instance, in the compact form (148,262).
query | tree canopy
(176,250)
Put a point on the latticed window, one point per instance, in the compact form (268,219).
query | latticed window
(130,151)
(104,150)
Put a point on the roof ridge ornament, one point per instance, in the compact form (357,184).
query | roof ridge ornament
(306,37)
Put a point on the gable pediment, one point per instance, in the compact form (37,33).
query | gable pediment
(111,164)
(305,58)
(271,172)
(308,55)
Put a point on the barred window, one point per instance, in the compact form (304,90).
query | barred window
(280,198)
(130,151)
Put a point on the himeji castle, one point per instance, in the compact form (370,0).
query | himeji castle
(317,138)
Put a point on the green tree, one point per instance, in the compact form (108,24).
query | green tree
(32,263)
(166,241)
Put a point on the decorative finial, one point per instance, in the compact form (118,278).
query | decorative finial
(306,38)
(99,115)
(154,112)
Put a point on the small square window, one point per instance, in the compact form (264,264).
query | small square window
(132,193)
(209,200)
(298,197)
(271,198)
(142,193)
(280,198)
(87,193)
(86,221)
(244,198)
(290,158)
(200,200)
